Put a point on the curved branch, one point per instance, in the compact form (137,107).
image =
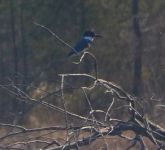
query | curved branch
(55,35)
(95,62)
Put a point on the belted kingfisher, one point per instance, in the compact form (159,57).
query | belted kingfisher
(84,43)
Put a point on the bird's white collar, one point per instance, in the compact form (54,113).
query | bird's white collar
(89,38)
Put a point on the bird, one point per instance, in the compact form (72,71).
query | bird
(84,43)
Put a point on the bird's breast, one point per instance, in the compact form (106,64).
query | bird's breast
(88,38)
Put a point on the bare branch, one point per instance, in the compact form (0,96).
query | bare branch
(56,36)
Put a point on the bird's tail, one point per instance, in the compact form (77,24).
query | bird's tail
(71,53)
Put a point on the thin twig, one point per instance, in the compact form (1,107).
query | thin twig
(55,35)
(64,106)
(95,62)
(109,109)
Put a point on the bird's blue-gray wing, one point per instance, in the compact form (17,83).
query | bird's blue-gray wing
(80,46)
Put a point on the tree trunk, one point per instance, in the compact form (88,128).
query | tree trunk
(14,106)
(13,36)
(137,83)
(23,47)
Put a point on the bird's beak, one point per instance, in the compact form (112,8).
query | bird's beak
(98,35)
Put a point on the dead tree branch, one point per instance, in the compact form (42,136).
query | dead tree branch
(91,125)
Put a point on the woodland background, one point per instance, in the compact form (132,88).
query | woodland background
(31,58)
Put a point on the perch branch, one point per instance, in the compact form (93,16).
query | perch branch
(55,35)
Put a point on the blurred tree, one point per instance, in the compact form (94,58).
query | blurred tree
(13,37)
(15,102)
(137,84)
(23,47)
